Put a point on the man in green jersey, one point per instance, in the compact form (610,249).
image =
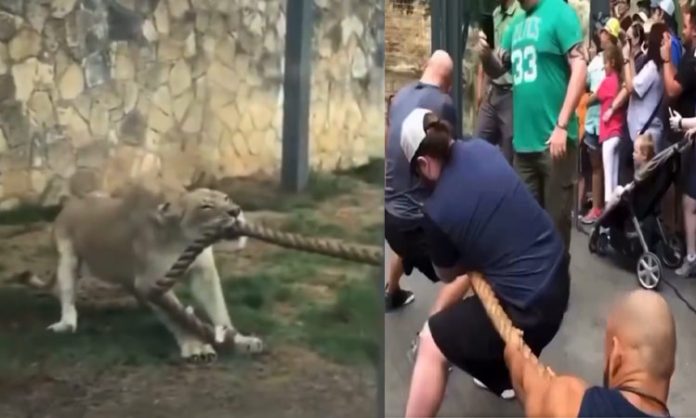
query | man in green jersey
(543,49)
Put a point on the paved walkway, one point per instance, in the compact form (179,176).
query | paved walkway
(577,349)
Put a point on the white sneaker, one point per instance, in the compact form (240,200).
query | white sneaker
(507,394)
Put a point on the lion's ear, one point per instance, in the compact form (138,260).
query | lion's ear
(167,211)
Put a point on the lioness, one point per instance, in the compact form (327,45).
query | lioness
(132,239)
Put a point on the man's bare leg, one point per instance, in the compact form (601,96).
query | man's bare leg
(429,378)
(689,266)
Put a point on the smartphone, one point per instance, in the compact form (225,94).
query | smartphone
(487,28)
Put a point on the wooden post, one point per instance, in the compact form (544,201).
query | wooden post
(296,94)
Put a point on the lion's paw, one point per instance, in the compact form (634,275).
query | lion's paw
(248,344)
(196,352)
(63,327)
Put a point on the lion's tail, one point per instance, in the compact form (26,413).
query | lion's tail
(30,279)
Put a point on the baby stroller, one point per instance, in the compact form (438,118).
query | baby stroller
(631,224)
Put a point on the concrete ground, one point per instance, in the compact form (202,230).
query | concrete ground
(577,349)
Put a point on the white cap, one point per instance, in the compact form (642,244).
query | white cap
(412,132)
(667,6)
(641,15)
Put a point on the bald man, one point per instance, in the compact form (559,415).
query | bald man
(639,351)
(403,193)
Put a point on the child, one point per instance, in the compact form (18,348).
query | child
(643,150)
(611,122)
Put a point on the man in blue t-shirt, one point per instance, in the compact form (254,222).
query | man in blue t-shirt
(403,193)
(479,216)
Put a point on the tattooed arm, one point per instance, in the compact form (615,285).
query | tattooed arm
(577,60)
(495,63)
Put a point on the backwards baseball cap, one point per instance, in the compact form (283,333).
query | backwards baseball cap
(612,27)
(639,17)
(413,132)
(667,6)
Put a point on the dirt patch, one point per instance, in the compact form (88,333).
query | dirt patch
(287,383)
(315,314)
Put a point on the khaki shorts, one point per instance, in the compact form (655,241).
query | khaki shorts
(552,183)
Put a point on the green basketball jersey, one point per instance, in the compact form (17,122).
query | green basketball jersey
(538,42)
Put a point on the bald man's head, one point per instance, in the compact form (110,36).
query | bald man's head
(640,337)
(438,70)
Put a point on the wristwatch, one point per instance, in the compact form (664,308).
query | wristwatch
(561,127)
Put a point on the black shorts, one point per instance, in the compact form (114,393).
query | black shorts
(407,239)
(467,338)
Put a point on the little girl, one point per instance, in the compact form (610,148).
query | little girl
(612,120)
(643,150)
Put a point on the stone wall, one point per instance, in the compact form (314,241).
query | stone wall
(94,92)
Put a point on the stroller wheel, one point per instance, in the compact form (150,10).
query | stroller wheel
(603,244)
(649,271)
(671,252)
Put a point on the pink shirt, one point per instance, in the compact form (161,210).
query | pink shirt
(606,93)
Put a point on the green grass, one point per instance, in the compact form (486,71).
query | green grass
(104,337)
(267,195)
(304,221)
(320,187)
(370,173)
(346,331)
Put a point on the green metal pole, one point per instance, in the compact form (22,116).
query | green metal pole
(455,44)
(296,95)
(449,26)
(437,10)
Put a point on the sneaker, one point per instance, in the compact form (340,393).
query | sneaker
(688,267)
(507,394)
(591,216)
(398,299)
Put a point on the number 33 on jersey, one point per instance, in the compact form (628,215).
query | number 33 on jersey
(538,42)
(524,67)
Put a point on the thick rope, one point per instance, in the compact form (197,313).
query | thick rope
(330,247)
(502,323)
(359,253)
(158,294)
(219,338)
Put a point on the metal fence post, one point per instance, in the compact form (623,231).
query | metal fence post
(447,20)
(453,33)
(437,11)
(296,94)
